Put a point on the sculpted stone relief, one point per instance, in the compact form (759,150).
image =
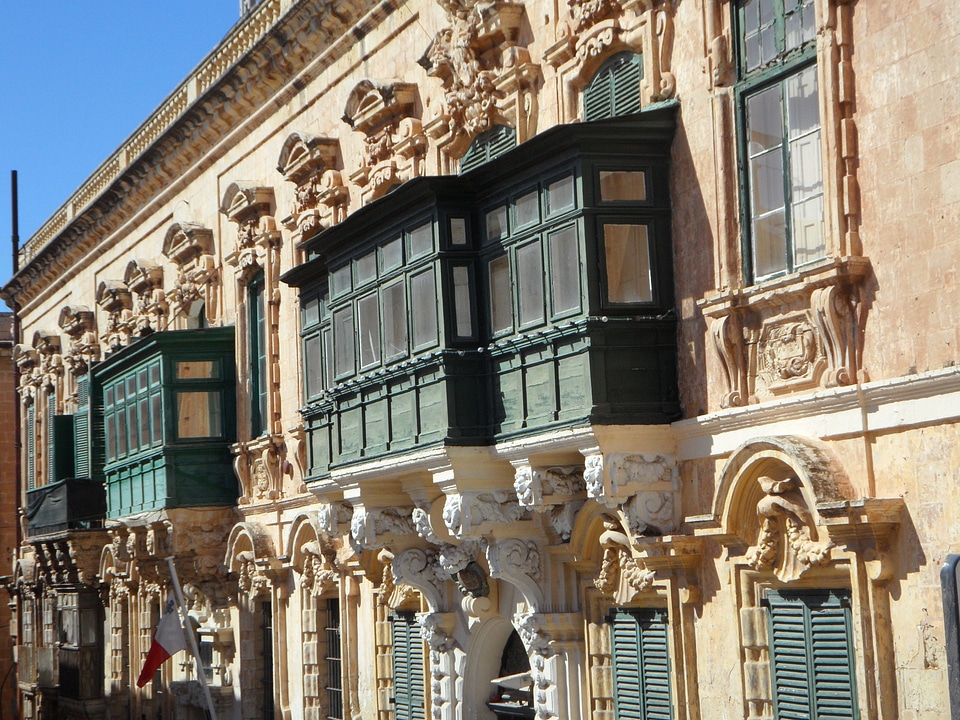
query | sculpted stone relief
(190,247)
(144,278)
(394,146)
(79,324)
(557,492)
(320,199)
(485,76)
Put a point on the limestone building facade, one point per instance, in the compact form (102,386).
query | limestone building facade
(476,359)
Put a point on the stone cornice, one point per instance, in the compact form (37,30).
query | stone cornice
(217,98)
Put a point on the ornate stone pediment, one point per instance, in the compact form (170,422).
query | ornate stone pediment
(187,241)
(394,143)
(320,200)
(798,333)
(485,75)
(115,298)
(78,322)
(190,246)
(258,239)
(144,278)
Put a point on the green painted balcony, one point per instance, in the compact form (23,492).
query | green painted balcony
(168,403)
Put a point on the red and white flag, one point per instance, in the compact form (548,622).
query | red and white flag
(167,641)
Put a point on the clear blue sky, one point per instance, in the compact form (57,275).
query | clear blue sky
(76,79)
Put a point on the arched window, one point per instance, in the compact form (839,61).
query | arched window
(488,145)
(615,89)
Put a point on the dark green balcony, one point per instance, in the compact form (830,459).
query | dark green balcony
(169,417)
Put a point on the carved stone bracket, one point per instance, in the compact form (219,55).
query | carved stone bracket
(645,486)
(556,491)
(190,247)
(74,559)
(319,573)
(258,240)
(465,514)
(144,278)
(257,465)
(800,333)
(420,569)
(622,576)
(320,197)
(334,518)
(115,299)
(520,563)
(372,528)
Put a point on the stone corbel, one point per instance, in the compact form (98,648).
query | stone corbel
(334,518)
(727,334)
(555,491)
(145,278)
(420,569)
(85,551)
(373,528)
(468,513)
(457,560)
(319,574)
(520,563)
(114,298)
(391,593)
(645,486)
(622,576)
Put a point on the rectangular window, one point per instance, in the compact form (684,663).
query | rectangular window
(392,255)
(334,661)
(462,294)
(496,222)
(812,654)
(408,677)
(257,349)
(564,270)
(641,664)
(627,254)
(458,231)
(340,281)
(366,268)
(394,321)
(344,359)
(501,308)
(313,366)
(421,240)
(423,300)
(368,321)
(779,112)
(527,209)
(530,283)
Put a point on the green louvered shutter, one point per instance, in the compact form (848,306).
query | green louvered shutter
(407,668)
(812,653)
(51,436)
(615,89)
(81,428)
(487,146)
(641,665)
(31,446)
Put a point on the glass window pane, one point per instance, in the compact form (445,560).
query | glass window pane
(198,415)
(623,185)
(313,366)
(194,369)
(343,341)
(368,320)
(808,240)
(142,380)
(769,244)
(528,209)
(768,45)
(751,16)
(564,270)
(461,299)
(764,121)
(144,421)
(560,195)
(156,418)
(752,51)
(340,281)
(766,179)
(497,223)
(421,240)
(154,374)
(501,303)
(111,432)
(803,107)
(394,321)
(131,386)
(530,283)
(311,312)
(392,254)
(367,268)
(628,263)
(458,231)
(118,389)
(423,299)
(88,627)
(328,374)
(108,398)
(122,431)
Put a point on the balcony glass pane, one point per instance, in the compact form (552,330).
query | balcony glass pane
(344,359)
(421,240)
(199,415)
(313,362)
(560,195)
(156,418)
(458,231)
(394,321)
(368,319)
(461,297)
(564,270)
(497,223)
(620,185)
(528,209)
(423,298)
(627,251)
(392,254)
(198,369)
(367,268)
(501,302)
(530,283)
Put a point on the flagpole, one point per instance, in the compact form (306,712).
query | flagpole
(185,623)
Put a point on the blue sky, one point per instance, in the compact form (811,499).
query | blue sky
(76,79)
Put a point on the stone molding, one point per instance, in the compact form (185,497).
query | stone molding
(320,198)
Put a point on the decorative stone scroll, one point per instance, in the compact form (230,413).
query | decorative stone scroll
(78,322)
(257,465)
(519,562)
(785,543)
(644,485)
(368,527)
(394,145)
(115,299)
(465,513)
(556,491)
(487,79)
(621,575)
(319,573)
(420,569)
(320,197)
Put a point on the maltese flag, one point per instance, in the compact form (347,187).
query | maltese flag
(167,641)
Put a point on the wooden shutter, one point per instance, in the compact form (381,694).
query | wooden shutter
(615,89)
(31,446)
(812,654)
(408,680)
(81,429)
(487,146)
(641,665)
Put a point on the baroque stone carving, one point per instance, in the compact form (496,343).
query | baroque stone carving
(367,527)
(785,542)
(320,199)
(190,247)
(727,334)
(257,466)
(144,278)
(79,324)
(420,568)
(319,573)
(465,512)
(621,575)
(115,299)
